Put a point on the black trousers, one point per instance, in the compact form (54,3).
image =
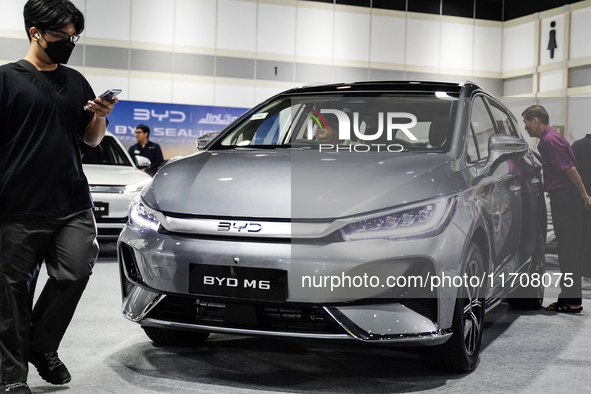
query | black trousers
(586,239)
(567,209)
(69,247)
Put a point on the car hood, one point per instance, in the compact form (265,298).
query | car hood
(286,183)
(113,175)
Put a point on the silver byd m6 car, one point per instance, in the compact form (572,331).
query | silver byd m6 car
(388,213)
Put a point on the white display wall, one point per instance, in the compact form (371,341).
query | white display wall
(239,52)
(259,48)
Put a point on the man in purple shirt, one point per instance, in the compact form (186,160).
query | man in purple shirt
(568,197)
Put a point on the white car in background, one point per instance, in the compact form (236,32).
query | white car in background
(114,181)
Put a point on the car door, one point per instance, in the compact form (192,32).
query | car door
(530,186)
(498,195)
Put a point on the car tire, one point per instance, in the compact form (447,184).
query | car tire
(165,337)
(532,297)
(461,352)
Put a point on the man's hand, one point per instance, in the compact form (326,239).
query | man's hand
(575,178)
(95,131)
(100,107)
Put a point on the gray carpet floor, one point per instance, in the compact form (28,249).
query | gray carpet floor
(523,352)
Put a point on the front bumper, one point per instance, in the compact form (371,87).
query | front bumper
(155,287)
(347,329)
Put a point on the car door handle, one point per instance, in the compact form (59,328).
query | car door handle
(515,188)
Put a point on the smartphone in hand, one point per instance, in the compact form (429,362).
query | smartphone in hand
(107,95)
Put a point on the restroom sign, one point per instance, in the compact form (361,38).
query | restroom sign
(552,42)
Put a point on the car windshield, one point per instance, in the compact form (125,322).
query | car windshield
(108,152)
(421,121)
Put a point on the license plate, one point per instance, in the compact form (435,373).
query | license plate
(247,283)
(101,209)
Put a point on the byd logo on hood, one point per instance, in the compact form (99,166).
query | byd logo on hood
(344,128)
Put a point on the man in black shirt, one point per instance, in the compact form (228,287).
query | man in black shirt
(145,147)
(45,204)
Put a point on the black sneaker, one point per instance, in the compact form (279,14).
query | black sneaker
(50,367)
(18,387)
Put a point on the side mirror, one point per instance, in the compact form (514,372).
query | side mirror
(142,162)
(204,140)
(499,146)
(502,148)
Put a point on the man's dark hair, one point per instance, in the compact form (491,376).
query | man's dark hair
(144,128)
(52,15)
(536,111)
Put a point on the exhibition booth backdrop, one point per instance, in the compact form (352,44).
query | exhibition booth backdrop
(175,127)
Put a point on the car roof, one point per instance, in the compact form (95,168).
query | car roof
(416,86)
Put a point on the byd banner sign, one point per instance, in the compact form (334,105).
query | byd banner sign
(175,127)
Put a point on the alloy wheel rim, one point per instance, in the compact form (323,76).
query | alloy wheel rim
(472,313)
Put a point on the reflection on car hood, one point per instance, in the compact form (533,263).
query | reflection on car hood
(113,175)
(294,184)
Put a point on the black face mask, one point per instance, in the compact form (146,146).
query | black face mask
(59,51)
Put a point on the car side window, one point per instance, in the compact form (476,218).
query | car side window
(502,120)
(482,127)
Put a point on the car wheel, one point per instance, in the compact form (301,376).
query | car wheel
(161,336)
(461,352)
(531,297)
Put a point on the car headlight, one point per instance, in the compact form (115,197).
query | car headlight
(141,216)
(425,219)
(136,187)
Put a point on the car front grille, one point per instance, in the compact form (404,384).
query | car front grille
(100,219)
(296,318)
(102,232)
(277,318)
